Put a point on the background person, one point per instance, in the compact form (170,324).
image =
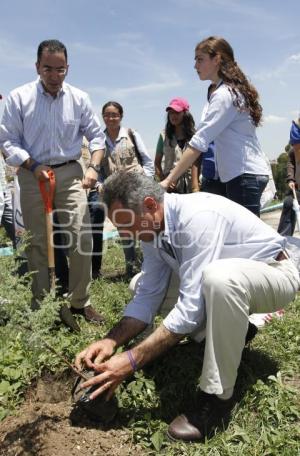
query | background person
(287,220)
(206,165)
(224,276)
(124,150)
(230,121)
(210,181)
(42,129)
(172,141)
(6,219)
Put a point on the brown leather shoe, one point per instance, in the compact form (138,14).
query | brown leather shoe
(90,314)
(213,413)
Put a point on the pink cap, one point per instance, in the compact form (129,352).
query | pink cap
(178,105)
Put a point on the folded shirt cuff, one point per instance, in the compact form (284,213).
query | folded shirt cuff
(174,323)
(139,313)
(198,144)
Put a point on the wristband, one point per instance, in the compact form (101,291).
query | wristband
(132,360)
(34,166)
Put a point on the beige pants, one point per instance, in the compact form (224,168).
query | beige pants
(71,204)
(233,289)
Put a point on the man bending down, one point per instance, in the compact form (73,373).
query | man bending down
(230,264)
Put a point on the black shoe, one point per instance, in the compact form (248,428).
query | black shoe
(90,314)
(251,333)
(68,319)
(212,414)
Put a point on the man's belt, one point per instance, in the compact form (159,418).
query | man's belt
(58,165)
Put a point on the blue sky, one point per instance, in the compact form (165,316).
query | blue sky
(141,53)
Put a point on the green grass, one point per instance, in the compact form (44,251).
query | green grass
(266,422)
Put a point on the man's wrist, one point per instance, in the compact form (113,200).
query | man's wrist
(95,167)
(33,166)
(30,164)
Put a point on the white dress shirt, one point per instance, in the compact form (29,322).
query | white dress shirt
(237,149)
(147,162)
(46,129)
(200,228)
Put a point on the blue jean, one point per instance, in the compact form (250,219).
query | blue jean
(97,215)
(246,190)
(214,186)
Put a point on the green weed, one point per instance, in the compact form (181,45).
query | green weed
(264,423)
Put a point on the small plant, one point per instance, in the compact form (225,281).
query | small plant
(265,423)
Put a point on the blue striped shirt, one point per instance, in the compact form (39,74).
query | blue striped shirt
(49,130)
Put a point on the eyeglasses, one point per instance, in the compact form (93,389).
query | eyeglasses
(111,116)
(47,70)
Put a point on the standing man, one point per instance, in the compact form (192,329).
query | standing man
(42,129)
(230,264)
(287,220)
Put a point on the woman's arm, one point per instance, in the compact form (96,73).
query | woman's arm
(158,158)
(196,167)
(189,156)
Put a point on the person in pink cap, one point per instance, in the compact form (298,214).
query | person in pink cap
(172,141)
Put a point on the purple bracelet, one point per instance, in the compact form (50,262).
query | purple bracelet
(132,360)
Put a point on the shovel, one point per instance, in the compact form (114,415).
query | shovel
(47,189)
(296,208)
(48,196)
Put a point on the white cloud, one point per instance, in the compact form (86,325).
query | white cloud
(294,58)
(145,72)
(16,55)
(280,70)
(234,6)
(123,92)
(273,119)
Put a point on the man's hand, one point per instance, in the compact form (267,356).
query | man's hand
(90,178)
(95,354)
(112,373)
(291,185)
(41,172)
(118,367)
(120,334)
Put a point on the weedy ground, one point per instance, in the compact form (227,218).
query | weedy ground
(266,421)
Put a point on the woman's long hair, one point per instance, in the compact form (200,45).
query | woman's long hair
(188,127)
(233,76)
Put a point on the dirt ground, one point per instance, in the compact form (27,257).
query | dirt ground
(47,425)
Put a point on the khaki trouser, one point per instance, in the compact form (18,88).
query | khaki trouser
(232,290)
(71,204)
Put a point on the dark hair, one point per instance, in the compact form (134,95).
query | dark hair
(115,104)
(188,126)
(130,189)
(233,76)
(51,46)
